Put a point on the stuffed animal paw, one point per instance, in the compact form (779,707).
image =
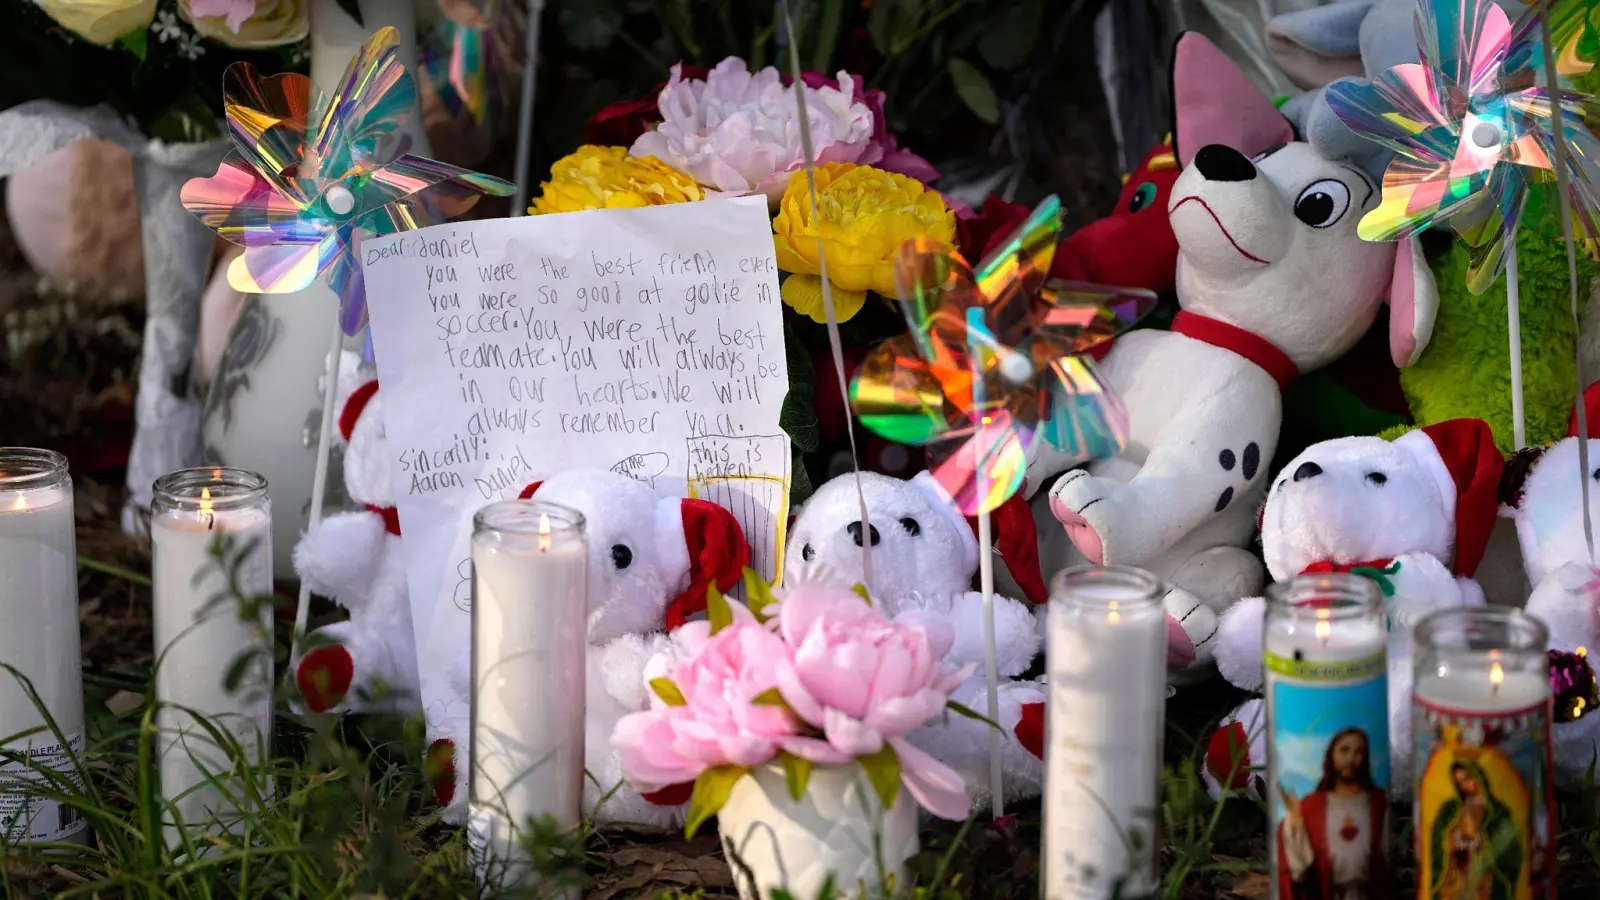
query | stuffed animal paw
(1092,510)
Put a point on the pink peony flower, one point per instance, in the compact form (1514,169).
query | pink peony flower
(236,11)
(867,681)
(718,676)
(739,133)
(884,152)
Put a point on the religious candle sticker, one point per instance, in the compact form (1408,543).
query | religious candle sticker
(1485,808)
(1327,738)
(644,341)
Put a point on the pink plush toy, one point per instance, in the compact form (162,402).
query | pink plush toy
(356,558)
(1272,281)
(651,560)
(1414,515)
(1541,495)
(923,557)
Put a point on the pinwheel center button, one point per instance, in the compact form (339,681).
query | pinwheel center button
(340,200)
(1486,135)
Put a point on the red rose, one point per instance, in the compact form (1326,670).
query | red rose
(619,124)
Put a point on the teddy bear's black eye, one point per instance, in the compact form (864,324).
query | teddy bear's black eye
(807,554)
(1377,478)
(1597,474)
(912,526)
(621,556)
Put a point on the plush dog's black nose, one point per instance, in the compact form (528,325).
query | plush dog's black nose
(1221,163)
(855,533)
(1307,470)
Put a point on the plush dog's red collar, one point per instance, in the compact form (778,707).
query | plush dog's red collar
(1325,567)
(1249,345)
(391,518)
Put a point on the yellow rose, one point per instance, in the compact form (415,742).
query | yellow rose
(865,214)
(595,177)
(100,21)
(273,24)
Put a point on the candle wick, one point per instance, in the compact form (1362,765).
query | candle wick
(211,521)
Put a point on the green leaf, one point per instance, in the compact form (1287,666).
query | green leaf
(668,692)
(772,697)
(883,770)
(353,9)
(1006,43)
(757,594)
(711,792)
(970,713)
(796,774)
(973,87)
(798,415)
(136,42)
(800,487)
(717,609)
(860,590)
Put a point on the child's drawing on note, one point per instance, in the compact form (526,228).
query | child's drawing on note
(738,474)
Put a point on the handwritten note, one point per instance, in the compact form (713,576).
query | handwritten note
(644,341)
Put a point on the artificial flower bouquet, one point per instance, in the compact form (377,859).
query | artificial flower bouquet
(819,677)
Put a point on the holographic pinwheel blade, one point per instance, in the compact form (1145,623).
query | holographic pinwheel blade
(1082,417)
(980,463)
(901,397)
(1076,316)
(1574,36)
(1465,43)
(283,268)
(1010,277)
(1486,228)
(357,124)
(242,207)
(267,121)
(935,288)
(1404,109)
(1417,195)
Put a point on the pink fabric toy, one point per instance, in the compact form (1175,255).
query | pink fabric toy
(1414,515)
(924,556)
(651,559)
(1272,281)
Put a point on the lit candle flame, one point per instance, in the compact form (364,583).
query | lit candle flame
(544,532)
(1583,652)
(20,504)
(1497,674)
(1324,627)
(1113,616)
(206,511)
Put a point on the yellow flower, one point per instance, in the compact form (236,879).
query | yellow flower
(100,21)
(865,214)
(273,24)
(595,177)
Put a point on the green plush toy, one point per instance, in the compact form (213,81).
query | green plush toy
(1465,370)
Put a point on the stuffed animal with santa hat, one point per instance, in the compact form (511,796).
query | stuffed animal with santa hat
(1541,493)
(357,559)
(922,557)
(1413,515)
(651,561)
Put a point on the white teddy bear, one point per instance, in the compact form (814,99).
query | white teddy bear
(1541,496)
(651,560)
(1395,512)
(923,556)
(356,558)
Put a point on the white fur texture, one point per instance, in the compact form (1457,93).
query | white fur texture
(1181,487)
(350,558)
(922,562)
(1549,519)
(1228,759)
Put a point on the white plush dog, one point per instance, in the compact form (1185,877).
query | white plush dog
(1397,512)
(1273,280)
(1541,494)
(923,556)
(651,560)
(356,559)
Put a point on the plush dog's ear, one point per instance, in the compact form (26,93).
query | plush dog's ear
(1591,412)
(1515,476)
(1213,102)
(1315,46)
(1413,303)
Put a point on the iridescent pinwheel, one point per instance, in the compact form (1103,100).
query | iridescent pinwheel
(993,363)
(468,56)
(308,174)
(1472,131)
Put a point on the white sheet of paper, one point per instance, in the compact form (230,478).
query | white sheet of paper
(648,341)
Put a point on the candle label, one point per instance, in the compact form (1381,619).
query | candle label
(1485,812)
(1328,754)
(25,816)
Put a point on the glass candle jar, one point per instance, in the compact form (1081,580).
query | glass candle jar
(1326,684)
(530,610)
(201,520)
(39,606)
(1107,662)
(1481,718)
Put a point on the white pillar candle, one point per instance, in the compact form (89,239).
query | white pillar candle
(1327,737)
(1107,663)
(1481,719)
(529,634)
(39,638)
(202,633)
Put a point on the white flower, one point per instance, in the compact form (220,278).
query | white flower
(740,133)
(166,27)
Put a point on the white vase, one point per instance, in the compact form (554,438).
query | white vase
(264,409)
(839,828)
